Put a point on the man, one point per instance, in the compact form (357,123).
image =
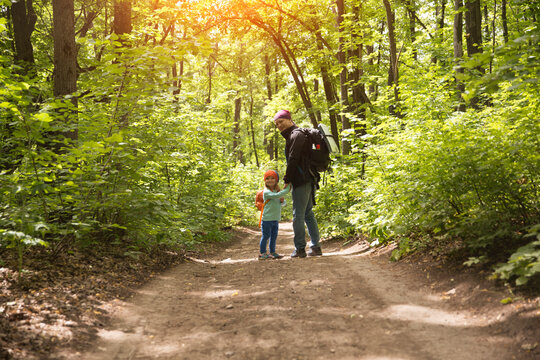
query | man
(303,180)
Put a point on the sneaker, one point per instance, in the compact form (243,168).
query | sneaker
(275,255)
(264,256)
(300,253)
(315,251)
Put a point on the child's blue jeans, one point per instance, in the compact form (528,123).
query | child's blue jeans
(269,231)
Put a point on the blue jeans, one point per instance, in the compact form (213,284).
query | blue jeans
(269,231)
(303,213)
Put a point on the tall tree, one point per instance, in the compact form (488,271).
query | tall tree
(268,133)
(458,51)
(328,86)
(504,21)
(122,17)
(65,57)
(236,129)
(393,70)
(345,124)
(359,96)
(473,22)
(24,21)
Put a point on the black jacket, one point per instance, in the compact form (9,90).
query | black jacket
(298,171)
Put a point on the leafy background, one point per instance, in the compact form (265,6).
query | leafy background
(163,162)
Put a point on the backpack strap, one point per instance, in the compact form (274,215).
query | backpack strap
(260,218)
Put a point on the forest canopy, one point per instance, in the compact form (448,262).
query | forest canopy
(142,123)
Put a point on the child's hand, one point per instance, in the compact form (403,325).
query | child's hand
(286,186)
(281,199)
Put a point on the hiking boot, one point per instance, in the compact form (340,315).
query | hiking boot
(275,255)
(315,251)
(264,256)
(299,253)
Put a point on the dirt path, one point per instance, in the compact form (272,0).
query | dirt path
(344,305)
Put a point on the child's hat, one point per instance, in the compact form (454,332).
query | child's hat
(273,173)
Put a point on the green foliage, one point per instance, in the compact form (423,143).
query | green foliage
(340,190)
(450,178)
(171,120)
(524,264)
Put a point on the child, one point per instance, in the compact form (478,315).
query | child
(271,214)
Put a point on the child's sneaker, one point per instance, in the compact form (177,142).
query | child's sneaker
(264,256)
(275,255)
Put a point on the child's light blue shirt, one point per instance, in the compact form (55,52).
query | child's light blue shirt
(272,209)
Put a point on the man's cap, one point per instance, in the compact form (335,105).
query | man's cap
(282,114)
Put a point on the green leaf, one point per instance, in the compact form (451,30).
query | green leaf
(116,137)
(507,300)
(43,117)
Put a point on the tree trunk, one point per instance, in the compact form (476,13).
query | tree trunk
(65,58)
(268,134)
(439,15)
(316,92)
(236,129)
(473,23)
(24,21)
(331,100)
(443,10)
(329,93)
(210,72)
(504,21)
(458,52)
(288,56)
(412,25)
(393,71)
(369,50)
(122,17)
(493,37)
(360,98)
(345,124)
(292,64)
(252,129)
(486,24)
(177,74)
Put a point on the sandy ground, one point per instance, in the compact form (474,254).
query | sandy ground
(347,304)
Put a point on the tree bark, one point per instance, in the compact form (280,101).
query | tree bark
(210,72)
(329,93)
(473,23)
(268,133)
(458,52)
(296,72)
(360,98)
(24,21)
(393,71)
(504,21)
(443,11)
(122,17)
(412,25)
(236,129)
(252,129)
(316,92)
(65,57)
(486,24)
(344,90)
(292,64)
